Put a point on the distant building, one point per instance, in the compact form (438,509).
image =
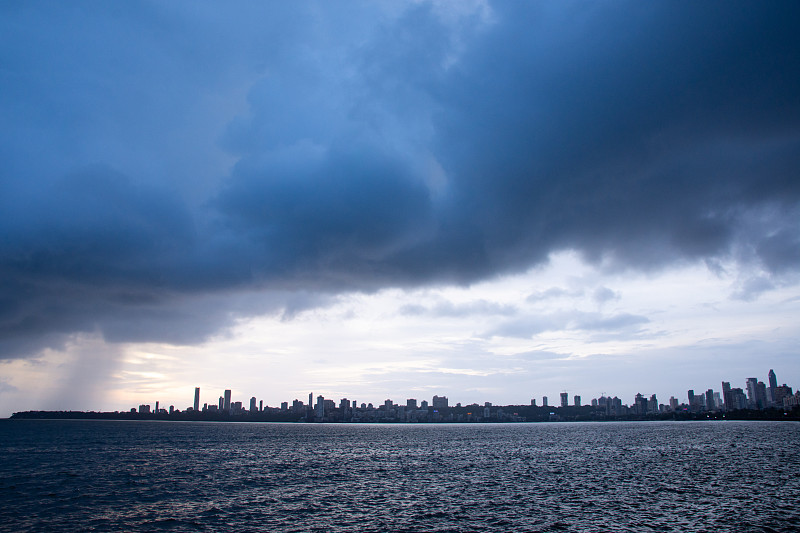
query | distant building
(738,399)
(781,393)
(604,404)
(533,402)
(577,400)
(673,403)
(544,401)
(411,403)
(423,404)
(640,405)
(727,398)
(564,399)
(253,404)
(197,398)
(439,402)
(752,401)
(772,389)
(791,401)
(761,395)
(227,405)
(773,380)
(144,409)
(710,405)
(319,408)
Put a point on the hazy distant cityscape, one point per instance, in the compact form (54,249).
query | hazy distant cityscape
(754,397)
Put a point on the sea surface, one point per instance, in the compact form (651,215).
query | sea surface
(185,476)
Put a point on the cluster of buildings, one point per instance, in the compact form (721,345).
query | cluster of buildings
(756,395)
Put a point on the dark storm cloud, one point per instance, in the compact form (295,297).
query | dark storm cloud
(647,136)
(157,162)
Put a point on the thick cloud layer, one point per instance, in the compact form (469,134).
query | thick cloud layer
(158,163)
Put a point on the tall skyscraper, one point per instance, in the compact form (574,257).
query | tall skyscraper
(773,380)
(197,398)
(544,401)
(752,401)
(772,390)
(320,407)
(227,406)
(577,399)
(727,399)
(564,399)
(761,395)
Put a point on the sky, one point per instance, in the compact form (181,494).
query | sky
(491,201)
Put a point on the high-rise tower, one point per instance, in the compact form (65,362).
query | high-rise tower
(772,390)
(197,398)
(752,401)
(227,405)
(726,396)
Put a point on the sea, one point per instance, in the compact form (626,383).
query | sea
(79,475)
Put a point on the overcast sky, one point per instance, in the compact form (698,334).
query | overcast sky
(371,200)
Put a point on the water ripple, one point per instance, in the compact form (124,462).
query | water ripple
(153,476)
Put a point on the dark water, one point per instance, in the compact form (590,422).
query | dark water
(156,476)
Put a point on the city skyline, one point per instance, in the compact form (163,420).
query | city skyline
(754,395)
(566,399)
(483,199)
